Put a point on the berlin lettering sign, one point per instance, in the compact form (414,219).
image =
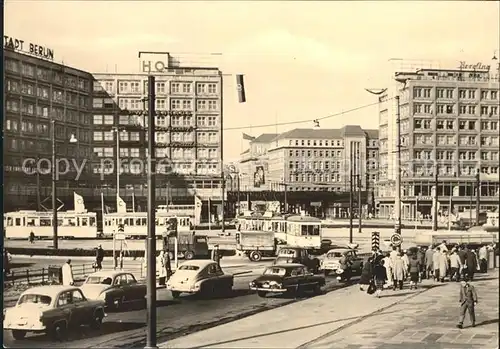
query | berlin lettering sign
(14,44)
(477,66)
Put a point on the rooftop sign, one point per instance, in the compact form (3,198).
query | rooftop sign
(28,47)
(154,62)
(478,66)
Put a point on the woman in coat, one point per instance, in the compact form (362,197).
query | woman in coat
(429,268)
(435,262)
(388,268)
(414,268)
(366,273)
(379,272)
(443,265)
(162,270)
(398,272)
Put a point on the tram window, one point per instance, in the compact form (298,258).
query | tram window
(60,222)
(18,222)
(72,222)
(45,222)
(304,230)
(143,221)
(9,221)
(315,230)
(92,221)
(85,222)
(30,222)
(130,221)
(137,221)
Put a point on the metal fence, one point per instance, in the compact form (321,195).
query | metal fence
(51,274)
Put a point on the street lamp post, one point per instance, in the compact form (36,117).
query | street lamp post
(118,165)
(73,139)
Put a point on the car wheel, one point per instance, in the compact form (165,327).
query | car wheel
(18,334)
(189,255)
(262,294)
(59,331)
(175,294)
(96,321)
(326,272)
(255,256)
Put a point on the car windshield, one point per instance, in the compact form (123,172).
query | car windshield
(334,255)
(189,267)
(35,299)
(94,280)
(275,271)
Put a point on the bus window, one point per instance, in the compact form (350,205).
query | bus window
(304,231)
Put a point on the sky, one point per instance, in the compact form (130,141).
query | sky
(301,60)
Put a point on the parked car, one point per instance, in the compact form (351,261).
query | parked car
(289,278)
(298,255)
(200,276)
(115,288)
(52,310)
(332,262)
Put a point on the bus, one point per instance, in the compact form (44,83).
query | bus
(71,224)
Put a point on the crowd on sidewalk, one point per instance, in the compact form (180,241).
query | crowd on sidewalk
(440,263)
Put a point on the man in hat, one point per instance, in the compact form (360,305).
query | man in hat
(215,254)
(99,257)
(468,301)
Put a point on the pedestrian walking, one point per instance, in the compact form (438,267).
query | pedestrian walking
(399,272)
(67,274)
(394,253)
(414,269)
(6,263)
(216,254)
(455,266)
(366,274)
(421,262)
(483,259)
(443,265)
(471,264)
(429,268)
(162,270)
(168,264)
(462,253)
(32,237)
(99,257)
(468,302)
(435,263)
(404,257)
(380,275)
(388,268)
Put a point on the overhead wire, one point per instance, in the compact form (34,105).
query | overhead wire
(304,121)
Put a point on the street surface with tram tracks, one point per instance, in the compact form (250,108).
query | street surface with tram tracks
(174,318)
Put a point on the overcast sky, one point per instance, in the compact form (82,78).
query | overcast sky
(301,60)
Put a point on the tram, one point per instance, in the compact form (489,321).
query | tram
(71,224)
(474,236)
(135,224)
(292,230)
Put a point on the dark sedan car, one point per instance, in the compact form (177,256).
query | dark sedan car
(292,278)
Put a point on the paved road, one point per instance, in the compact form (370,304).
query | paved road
(175,318)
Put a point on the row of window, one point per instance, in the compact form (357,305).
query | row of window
(43,128)
(326,153)
(326,143)
(428,108)
(29,70)
(450,93)
(177,167)
(450,125)
(324,165)
(44,92)
(451,155)
(452,171)
(319,178)
(45,147)
(45,111)
(174,87)
(424,139)
(177,153)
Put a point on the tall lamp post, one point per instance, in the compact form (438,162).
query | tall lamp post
(118,164)
(55,176)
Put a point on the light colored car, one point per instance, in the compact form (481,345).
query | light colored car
(115,288)
(332,261)
(52,310)
(200,276)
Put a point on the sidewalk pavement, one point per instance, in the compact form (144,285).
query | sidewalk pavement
(348,318)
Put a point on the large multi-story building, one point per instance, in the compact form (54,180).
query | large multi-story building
(37,93)
(312,160)
(449,122)
(188,133)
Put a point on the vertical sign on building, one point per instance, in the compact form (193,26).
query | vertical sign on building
(153,62)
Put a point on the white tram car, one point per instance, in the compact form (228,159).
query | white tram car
(135,224)
(71,224)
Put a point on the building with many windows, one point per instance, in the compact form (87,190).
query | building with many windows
(188,127)
(312,160)
(38,92)
(449,124)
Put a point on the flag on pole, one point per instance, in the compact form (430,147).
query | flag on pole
(247,137)
(121,206)
(79,203)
